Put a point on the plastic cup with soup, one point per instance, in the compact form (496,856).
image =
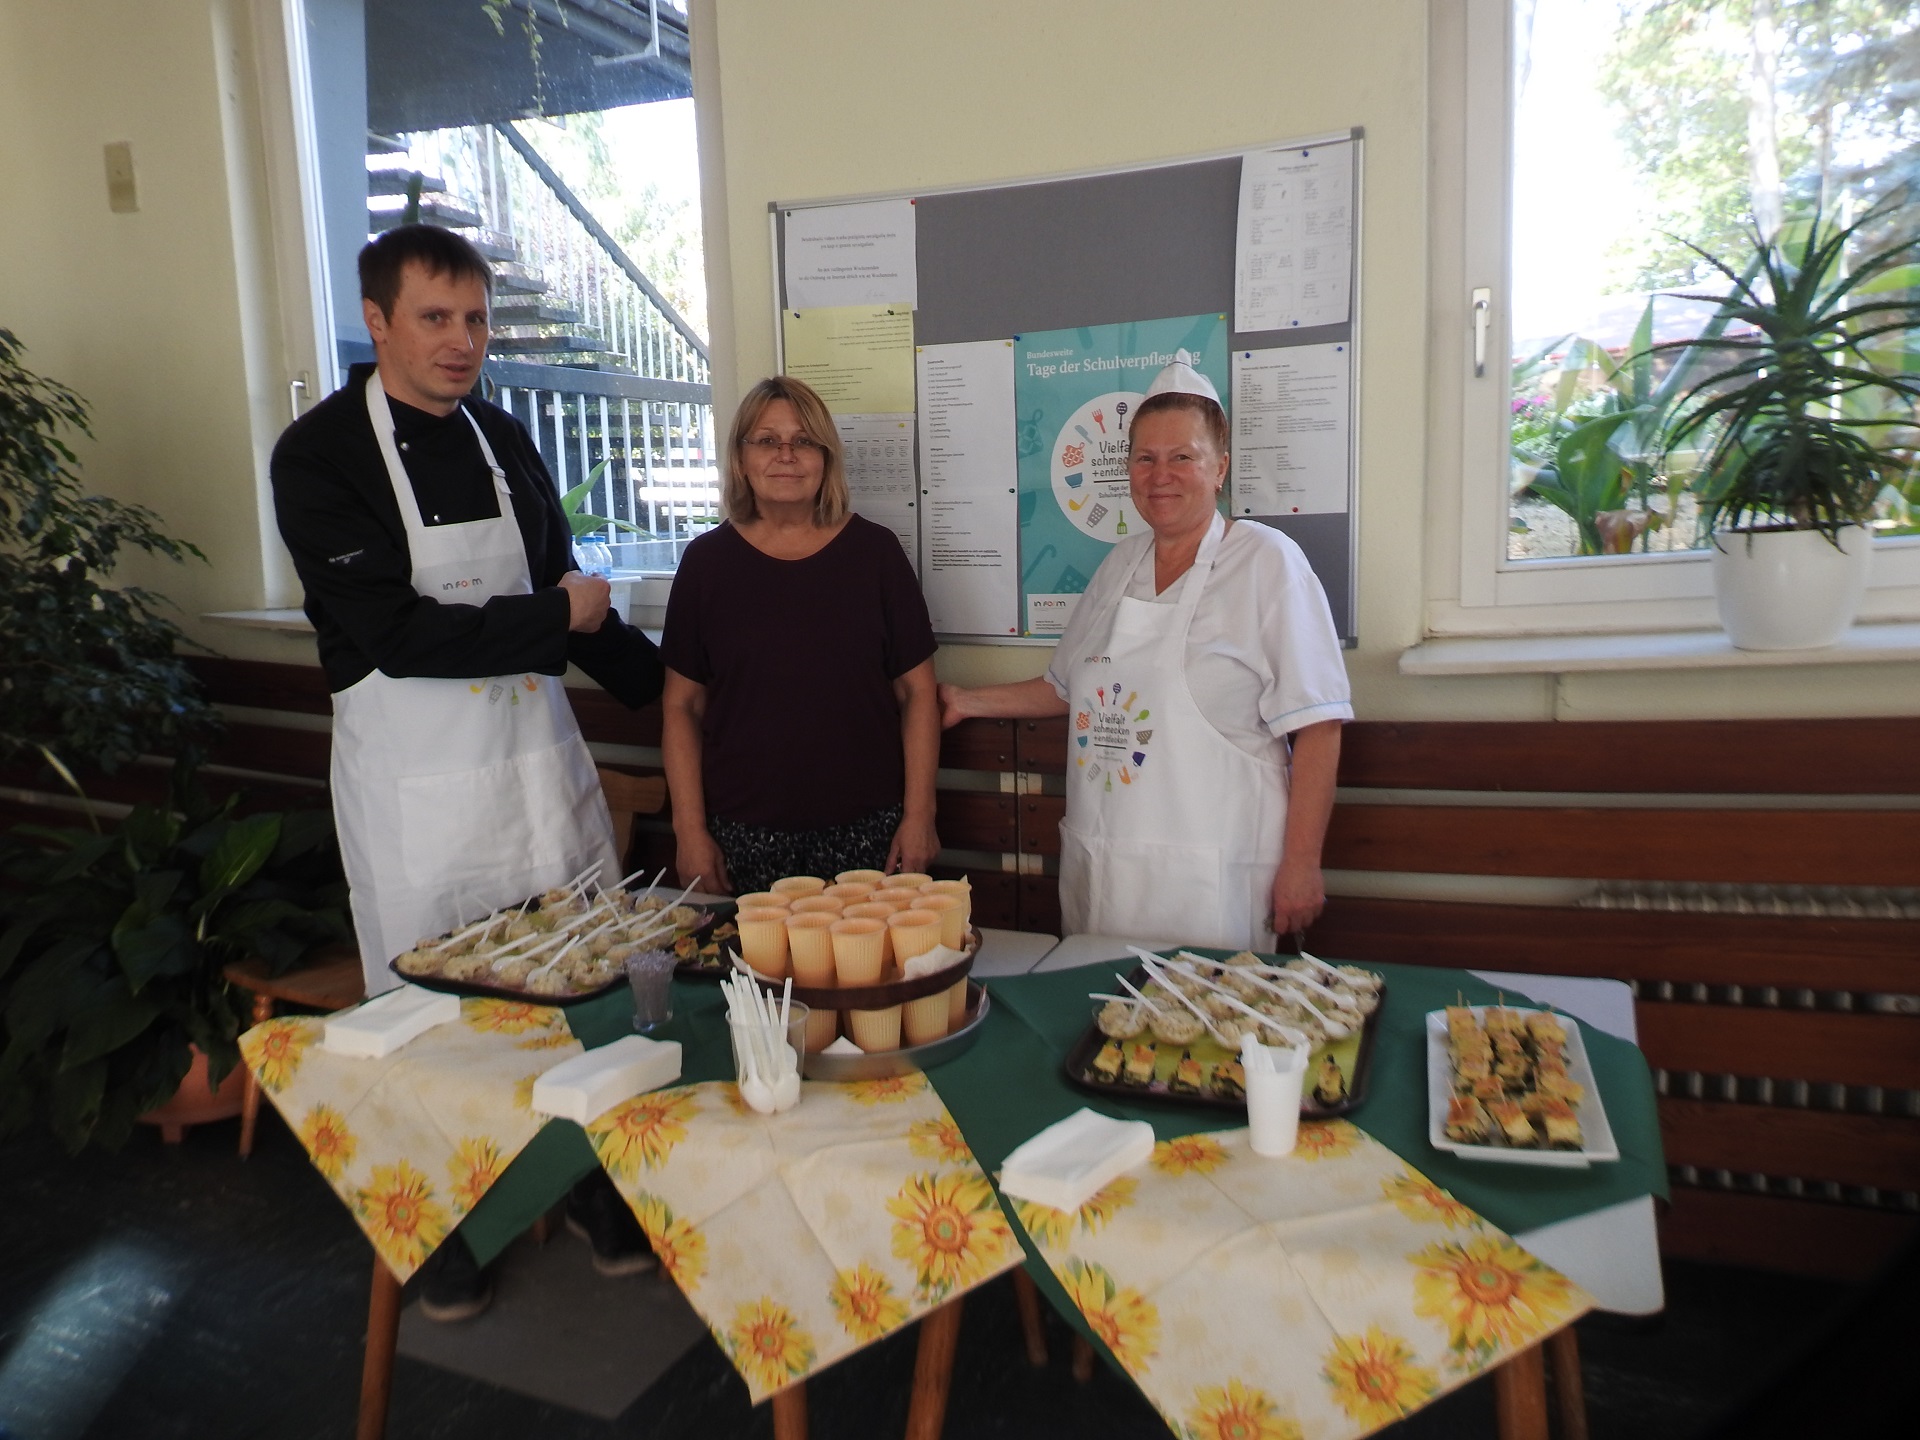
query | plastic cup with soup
(794,886)
(763,940)
(859,951)
(810,949)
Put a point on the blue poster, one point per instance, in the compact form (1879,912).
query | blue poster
(1073,391)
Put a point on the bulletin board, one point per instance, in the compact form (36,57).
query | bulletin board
(1150,252)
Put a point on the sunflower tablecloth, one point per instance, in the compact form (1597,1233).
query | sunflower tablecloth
(412,1141)
(802,1237)
(1327,1293)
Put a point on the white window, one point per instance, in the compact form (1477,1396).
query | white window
(1570,137)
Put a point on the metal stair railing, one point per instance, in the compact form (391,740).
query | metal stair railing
(639,396)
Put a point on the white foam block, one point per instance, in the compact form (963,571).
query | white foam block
(1066,1164)
(587,1086)
(386,1022)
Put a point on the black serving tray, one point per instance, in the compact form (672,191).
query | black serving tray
(1355,1054)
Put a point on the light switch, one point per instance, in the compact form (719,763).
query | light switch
(122,197)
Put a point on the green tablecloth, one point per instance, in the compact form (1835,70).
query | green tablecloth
(1009,1085)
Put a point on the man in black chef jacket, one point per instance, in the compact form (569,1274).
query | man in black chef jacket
(440,580)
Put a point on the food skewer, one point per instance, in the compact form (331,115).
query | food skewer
(1296,1036)
(1336,1029)
(1153,963)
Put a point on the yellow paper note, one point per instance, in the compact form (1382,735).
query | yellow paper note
(859,357)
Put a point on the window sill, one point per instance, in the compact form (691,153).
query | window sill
(1680,650)
(292,622)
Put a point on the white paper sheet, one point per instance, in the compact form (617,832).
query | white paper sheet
(1291,423)
(878,451)
(969,524)
(1293,253)
(861,254)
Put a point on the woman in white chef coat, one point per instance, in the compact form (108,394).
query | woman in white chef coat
(1207,690)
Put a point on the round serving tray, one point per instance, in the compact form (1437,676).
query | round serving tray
(884,1064)
(879,997)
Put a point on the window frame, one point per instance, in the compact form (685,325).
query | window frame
(1475,587)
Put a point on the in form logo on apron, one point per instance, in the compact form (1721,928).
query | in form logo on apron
(1107,736)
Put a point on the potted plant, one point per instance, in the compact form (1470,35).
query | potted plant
(1804,422)
(88,673)
(112,947)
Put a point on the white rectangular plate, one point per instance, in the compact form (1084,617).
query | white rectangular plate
(1593,1115)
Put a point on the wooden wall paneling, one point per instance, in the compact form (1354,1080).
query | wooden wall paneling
(1040,817)
(1849,1149)
(979,745)
(605,720)
(996,895)
(1684,757)
(274,750)
(1796,1237)
(1823,1046)
(1040,904)
(978,820)
(1787,847)
(263,684)
(1711,949)
(1043,745)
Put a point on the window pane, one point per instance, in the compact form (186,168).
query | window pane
(1645,127)
(559,139)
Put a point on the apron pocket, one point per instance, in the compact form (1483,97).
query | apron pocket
(502,819)
(1151,891)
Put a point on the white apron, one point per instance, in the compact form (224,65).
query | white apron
(1171,831)
(455,797)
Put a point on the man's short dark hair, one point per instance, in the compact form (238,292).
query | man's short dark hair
(437,251)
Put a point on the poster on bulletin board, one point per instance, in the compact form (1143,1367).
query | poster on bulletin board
(1074,392)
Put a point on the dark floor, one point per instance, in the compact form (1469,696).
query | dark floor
(178,1291)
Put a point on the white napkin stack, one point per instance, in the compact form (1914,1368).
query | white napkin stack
(1066,1164)
(383,1024)
(931,962)
(587,1086)
(843,1046)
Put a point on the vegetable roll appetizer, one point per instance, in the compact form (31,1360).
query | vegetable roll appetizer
(1467,1121)
(1330,1084)
(1106,1064)
(1138,1069)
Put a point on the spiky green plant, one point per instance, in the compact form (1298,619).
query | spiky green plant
(1793,441)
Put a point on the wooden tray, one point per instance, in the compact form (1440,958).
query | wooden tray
(1355,1054)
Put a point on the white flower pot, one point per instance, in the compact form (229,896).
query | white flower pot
(1789,589)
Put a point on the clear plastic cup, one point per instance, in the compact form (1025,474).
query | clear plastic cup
(650,973)
(765,1043)
(1273,1101)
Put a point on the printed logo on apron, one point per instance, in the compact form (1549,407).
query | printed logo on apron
(1110,742)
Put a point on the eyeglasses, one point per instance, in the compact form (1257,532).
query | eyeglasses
(802,448)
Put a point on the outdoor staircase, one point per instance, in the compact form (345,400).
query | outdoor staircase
(527,325)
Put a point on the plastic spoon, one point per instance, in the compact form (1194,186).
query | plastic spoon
(1153,963)
(1267,1021)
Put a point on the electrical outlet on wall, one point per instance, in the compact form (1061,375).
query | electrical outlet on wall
(122,196)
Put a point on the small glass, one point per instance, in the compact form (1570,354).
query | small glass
(650,973)
(747,1034)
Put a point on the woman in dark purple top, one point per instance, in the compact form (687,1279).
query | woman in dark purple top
(802,724)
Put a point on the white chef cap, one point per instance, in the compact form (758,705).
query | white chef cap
(1181,378)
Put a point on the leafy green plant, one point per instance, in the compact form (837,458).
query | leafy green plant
(112,946)
(1803,428)
(584,522)
(88,669)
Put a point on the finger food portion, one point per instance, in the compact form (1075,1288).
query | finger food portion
(566,944)
(1174,1031)
(1513,1084)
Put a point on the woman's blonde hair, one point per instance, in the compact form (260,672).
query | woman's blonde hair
(831,505)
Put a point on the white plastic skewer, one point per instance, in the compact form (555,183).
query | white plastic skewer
(786,1009)
(1155,1009)
(1336,1029)
(1303,981)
